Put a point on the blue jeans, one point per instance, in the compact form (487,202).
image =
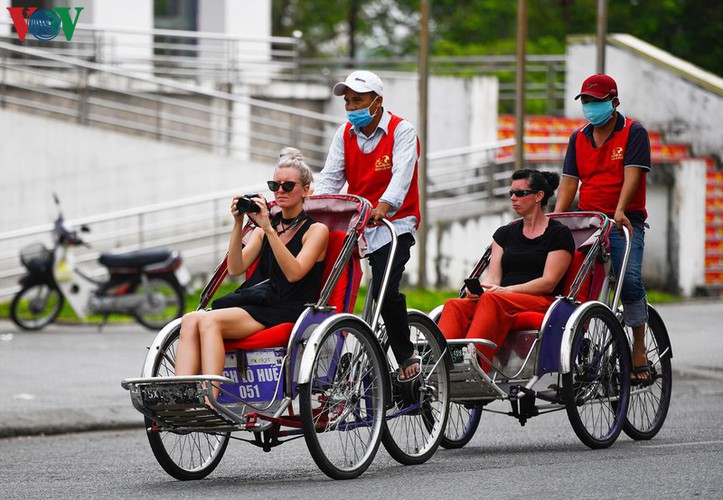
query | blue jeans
(635,304)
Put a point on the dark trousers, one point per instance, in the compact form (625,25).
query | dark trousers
(394,308)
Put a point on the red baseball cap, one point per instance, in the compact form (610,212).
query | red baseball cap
(599,86)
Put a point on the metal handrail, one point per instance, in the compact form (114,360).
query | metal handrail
(171,84)
(167,117)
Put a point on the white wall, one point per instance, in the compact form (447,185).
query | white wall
(688,209)
(658,265)
(96,171)
(462,111)
(133,14)
(456,247)
(5,29)
(249,19)
(653,91)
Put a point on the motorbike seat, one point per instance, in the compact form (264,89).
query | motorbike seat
(136,258)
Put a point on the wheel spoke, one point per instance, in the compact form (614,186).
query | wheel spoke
(418,418)
(342,406)
(183,456)
(649,402)
(598,386)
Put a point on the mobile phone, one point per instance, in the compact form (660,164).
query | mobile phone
(474,286)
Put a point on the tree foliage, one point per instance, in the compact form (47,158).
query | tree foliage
(689,29)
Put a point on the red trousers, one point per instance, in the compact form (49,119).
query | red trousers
(490,317)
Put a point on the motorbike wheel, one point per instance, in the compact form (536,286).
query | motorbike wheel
(36,306)
(164,302)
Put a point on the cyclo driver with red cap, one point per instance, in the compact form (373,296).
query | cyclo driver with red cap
(609,157)
(376,152)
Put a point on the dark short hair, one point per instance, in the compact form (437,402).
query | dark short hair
(546,182)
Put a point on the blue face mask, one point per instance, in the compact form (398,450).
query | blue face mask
(361,117)
(598,112)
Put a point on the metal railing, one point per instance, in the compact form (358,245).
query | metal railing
(461,181)
(108,97)
(217,58)
(545,74)
(193,55)
(198,226)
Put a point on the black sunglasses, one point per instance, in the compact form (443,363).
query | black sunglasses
(287,186)
(521,192)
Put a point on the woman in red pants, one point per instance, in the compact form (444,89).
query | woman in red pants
(529,259)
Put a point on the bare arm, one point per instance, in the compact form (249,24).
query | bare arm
(566,193)
(312,251)
(240,257)
(494,270)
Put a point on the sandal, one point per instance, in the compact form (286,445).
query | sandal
(641,374)
(415,359)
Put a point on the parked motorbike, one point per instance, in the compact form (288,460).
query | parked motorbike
(146,284)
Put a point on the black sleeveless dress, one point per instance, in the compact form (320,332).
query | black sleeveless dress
(278,301)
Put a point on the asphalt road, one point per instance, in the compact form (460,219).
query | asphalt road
(542,460)
(67,379)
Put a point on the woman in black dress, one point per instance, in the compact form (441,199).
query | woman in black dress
(290,248)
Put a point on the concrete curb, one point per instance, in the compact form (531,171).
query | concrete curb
(67,421)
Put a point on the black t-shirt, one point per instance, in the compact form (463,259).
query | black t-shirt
(523,258)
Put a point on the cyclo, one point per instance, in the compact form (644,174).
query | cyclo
(326,377)
(579,351)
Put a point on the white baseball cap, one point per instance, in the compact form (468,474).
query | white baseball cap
(362,82)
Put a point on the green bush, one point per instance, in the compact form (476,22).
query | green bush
(423,300)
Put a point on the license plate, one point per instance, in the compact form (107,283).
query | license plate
(171,394)
(183,276)
(260,383)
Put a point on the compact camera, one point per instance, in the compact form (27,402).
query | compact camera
(246,205)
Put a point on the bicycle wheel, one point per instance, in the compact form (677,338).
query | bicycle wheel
(649,401)
(36,306)
(192,455)
(462,423)
(342,406)
(418,416)
(597,388)
(164,302)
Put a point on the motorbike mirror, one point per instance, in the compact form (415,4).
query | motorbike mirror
(57,205)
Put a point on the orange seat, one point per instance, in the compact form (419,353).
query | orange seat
(342,297)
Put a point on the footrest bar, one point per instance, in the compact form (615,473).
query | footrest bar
(183,404)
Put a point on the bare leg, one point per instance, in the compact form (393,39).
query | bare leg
(188,354)
(639,353)
(214,327)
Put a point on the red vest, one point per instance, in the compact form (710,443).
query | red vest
(602,172)
(369,175)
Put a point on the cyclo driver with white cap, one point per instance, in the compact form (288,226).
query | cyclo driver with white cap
(376,152)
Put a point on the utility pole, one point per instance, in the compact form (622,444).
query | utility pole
(422,172)
(602,28)
(520,85)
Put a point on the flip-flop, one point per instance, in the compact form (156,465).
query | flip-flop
(414,359)
(640,370)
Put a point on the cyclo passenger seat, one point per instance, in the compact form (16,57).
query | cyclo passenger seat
(343,296)
(586,227)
